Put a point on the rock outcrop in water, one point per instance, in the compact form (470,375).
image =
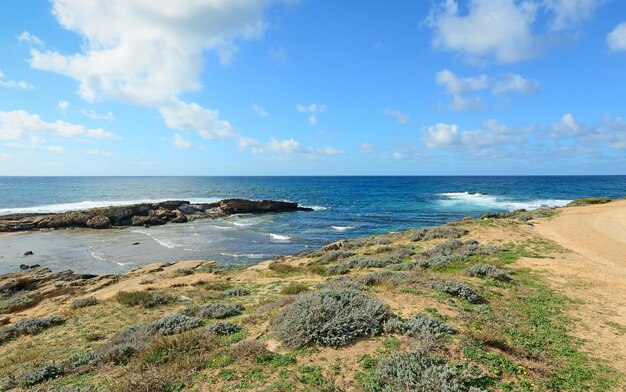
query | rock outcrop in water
(144,214)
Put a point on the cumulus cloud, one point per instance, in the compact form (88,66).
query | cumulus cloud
(568,13)
(181,143)
(157,59)
(29,38)
(99,153)
(508,39)
(63,106)
(16,84)
(616,39)
(286,147)
(490,133)
(442,135)
(191,116)
(459,87)
(259,110)
(98,116)
(400,117)
(19,124)
(514,30)
(313,108)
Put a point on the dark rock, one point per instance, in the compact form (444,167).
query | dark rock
(135,243)
(28,253)
(4,320)
(24,267)
(35,266)
(99,222)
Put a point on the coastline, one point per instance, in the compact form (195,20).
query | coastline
(525,246)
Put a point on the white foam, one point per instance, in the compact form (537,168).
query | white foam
(496,202)
(99,256)
(279,237)
(164,243)
(343,228)
(87,204)
(316,208)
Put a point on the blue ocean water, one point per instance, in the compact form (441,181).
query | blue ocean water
(345,207)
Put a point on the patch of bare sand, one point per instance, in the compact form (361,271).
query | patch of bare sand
(592,271)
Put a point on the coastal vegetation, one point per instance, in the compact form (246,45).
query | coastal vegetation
(447,309)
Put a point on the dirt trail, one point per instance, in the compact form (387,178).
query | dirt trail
(592,272)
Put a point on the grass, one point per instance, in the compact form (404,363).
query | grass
(520,338)
(589,201)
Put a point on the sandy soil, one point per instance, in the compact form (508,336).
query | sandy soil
(592,271)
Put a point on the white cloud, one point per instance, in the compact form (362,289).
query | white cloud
(99,153)
(98,116)
(507,40)
(157,59)
(568,125)
(18,124)
(457,85)
(313,108)
(568,13)
(367,147)
(512,83)
(16,84)
(286,147)
(181,143)
(206,122)
(616,39)
(63,106)
(332,151)
(400,117)
(29,38)
(442,135)
(259,110)
(56,149)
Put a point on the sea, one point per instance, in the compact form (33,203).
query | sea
(343,207)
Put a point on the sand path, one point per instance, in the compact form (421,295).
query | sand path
(592,272)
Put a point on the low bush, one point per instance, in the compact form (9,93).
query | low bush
(282,268)
(380,277)
(330,318)
(335,255)
(446,232)
(173,324)
(337,269)
(215,310)
(454,250)
(236,292)
(491,271)
(84,302)
(402,266)
(183,272)
(294,288)
(416,372)
(343,282)
(30,326)
(383,241)
(40,374)
(250,350)
(418,326)
(358,243)
(13,302)
(277,304)
(589,201)
(146,299)
(223,328)
(457,289)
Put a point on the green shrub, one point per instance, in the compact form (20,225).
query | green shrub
(223,328)
(215,310)
(338,269)
(457,289)
(250,350)
(330,318)
(343,282)
(12,302)
(454,250)
(418,326)
(146,299)
(589,201)
(183,272)
(30,326)
(335,255)
(236,292)
(173,324)
(294,288)
(40,374)
(84,302)
(282,268)
(416,372)
(491,271)
(446,232)
(380,277)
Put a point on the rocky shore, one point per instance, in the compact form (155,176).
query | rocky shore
(144,214)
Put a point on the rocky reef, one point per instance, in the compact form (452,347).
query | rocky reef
(144,214)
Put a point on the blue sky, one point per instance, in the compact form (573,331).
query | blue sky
(262,87)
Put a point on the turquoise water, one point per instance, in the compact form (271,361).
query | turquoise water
(345,207)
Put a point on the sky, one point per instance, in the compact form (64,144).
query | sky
(305,87)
